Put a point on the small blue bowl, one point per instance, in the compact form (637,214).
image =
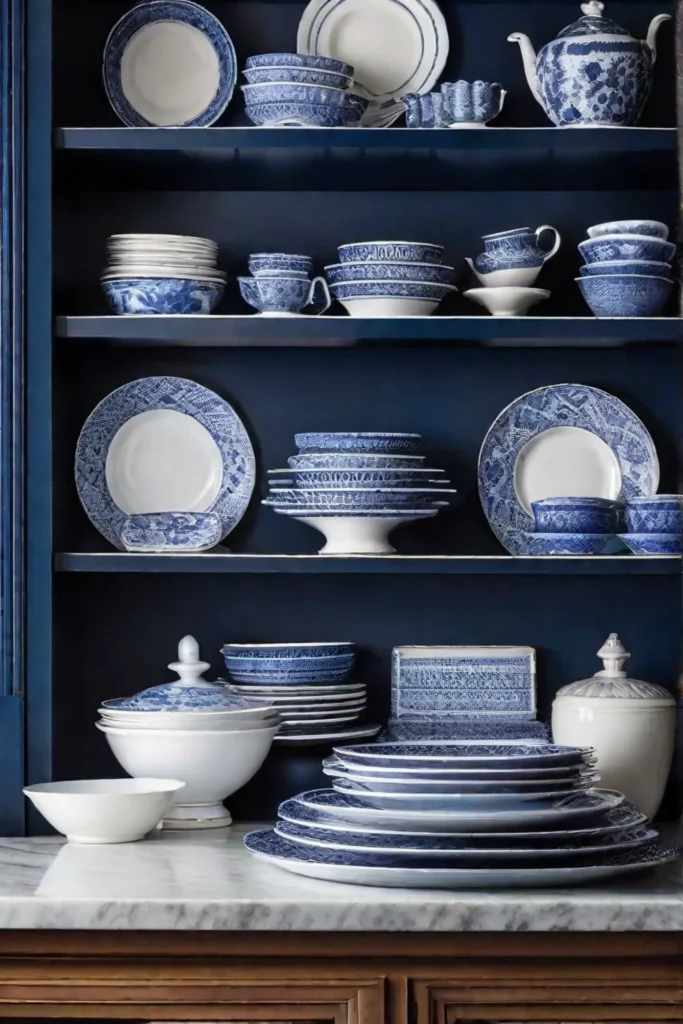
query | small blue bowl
(171,531)
(241,666)
(291,92)
(626,247)
(302,76)
(575,515)
(298,60)
(567,543)
(659,514)
(269,652)
(653,543)
(172,296)
(264,264)
(648,268)
(381,270)
(395,252)
(651,228)
(353,443)
(617,295)
(304,115)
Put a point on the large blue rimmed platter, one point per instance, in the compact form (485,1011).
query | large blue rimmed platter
(169,63)
(345,866)
(163,441)
(566,439)
(438,754)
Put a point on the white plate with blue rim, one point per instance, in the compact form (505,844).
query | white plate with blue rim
(163,444)
(502,775)
(394,48)
(346,866)
(316,808)
(412,847)
(169,63)
(350,807)
(394,797)
(566,439)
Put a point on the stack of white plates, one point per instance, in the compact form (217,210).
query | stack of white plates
(460,815)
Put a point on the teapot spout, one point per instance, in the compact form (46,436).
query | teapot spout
(652,33)
(529,58)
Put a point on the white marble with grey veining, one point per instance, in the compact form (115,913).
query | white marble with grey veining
(209,882)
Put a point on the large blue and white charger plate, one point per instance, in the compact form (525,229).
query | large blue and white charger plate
(561,440)
(165,442)
(169,63)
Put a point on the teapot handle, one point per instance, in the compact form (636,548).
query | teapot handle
(326,293)
(558,241)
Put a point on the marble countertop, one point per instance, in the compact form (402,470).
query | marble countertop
(208,881)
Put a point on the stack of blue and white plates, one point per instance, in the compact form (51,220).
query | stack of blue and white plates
(460,815)
(310,685)
(356,487)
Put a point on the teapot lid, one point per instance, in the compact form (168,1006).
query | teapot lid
(593,23)
(612,681)
(190,693)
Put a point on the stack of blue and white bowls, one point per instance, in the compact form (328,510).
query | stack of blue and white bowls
(300,90)
(654,525)
(356,487)
(380,279)
(281,284)
(627,268)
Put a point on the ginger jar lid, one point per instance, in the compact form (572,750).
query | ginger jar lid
(593,23)
(190,693)
(612,681)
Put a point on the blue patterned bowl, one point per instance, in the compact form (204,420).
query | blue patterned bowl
(653,543)
(566,543)
(362,477)
(355,497)
(302,76)
(268,652)
(337,461)
(239,666)
(661,513)
(616,295)
(396,252)
(171,531)
(575,515)
(284,294)
(277,263)
(162,295)
(648,268)
(298,60)
(381,270)
(626,247)
(357,442)
(304,115)
(291,92)
(391,289)
(651,228)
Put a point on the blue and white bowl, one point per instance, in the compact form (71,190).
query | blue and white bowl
(391,289)
(617,295)
(648,268)
(566,543)
(338,461)
(292,92)
(383,270)
(660,514)
(653,543)
(281,295)
(269,652)
(357,497)
(395,252)
(261,666)
(304,115)
(275,264)
(163,296)
(575,515)
(626,247)
(353,443)
(298,60)
(329,478)
(171,531)
(302,76)
(651,228)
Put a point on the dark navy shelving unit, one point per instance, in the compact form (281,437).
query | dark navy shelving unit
(89,623)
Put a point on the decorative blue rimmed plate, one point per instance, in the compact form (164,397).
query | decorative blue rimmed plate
(163,444)
(396,797)
(466,755)
(169,63)
(561,440)
(346,866)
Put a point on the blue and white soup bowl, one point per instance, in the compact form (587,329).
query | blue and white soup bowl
(301,76)
(619,295)
(274,264)
(648,268)
(163,296)
(395,252)
(283,296)
(626,247)
(575,515)
(659,513)
(299,60)
(344,442)
(388,270)
(340,461)
(177,532)
(651,228)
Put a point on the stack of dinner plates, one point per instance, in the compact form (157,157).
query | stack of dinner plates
(460,815)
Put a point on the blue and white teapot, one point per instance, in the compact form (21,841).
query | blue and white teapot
(594,72)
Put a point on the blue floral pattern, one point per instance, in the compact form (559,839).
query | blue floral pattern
(625,247)
(401,252)
(299,60)
(456,103)
(566,543)
(625,295)
(655,519)
(512,250)
(164,296)
(303,76)
(395,289)
(654,543)
(180,697)
(171,531)
(357,442)
(375,270)
(339,461)
(465,727)
(578,515)
(294,114)
(262,262)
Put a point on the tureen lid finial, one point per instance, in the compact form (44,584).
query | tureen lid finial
(593,8)
(614,656)
(188,666)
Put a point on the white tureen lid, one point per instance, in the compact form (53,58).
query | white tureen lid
(612,681)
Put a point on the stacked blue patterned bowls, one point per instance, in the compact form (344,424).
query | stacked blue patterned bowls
(380,279)
(301,90)
(573,525)
(356,487)
(654,525)
(627,269)
(281,284)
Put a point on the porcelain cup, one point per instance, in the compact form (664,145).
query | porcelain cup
(516,249)
(284,295)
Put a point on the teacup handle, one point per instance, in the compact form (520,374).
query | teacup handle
(326,293)
(558,241)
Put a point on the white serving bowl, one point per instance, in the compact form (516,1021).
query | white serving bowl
(507,301)
(104,810)
(389,307)
(213,764)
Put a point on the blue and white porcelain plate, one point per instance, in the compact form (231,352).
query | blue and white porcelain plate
(464,755)
(347,866)
(567,439)
(169,63)
(385,847)
(163,444)
(396,796)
